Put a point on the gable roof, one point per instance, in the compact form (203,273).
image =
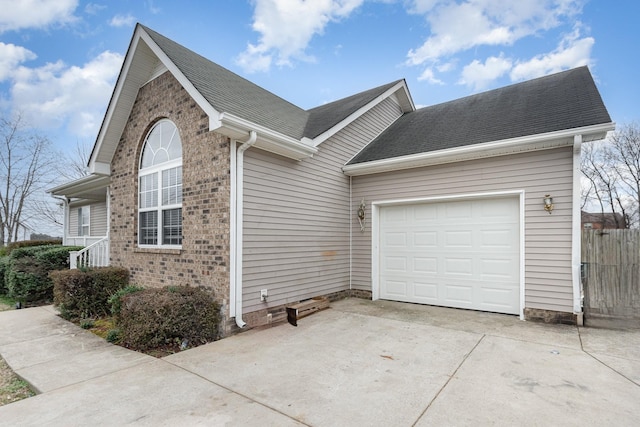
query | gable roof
(558,102)
(325,116)
(228,92)
(234,105)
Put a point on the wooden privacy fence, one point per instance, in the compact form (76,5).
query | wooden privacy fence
(611,277)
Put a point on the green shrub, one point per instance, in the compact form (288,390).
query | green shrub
(86,293)
(113,335)
(4,264)
(27,272)
(29,243)
(161,317)
(115,300)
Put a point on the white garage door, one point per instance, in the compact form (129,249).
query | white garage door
(461,254)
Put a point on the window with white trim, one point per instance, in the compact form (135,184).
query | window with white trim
(83,221)
(160,187)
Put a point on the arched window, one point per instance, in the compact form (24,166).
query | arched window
(160,187)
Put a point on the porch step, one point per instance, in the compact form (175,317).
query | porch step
(305,308)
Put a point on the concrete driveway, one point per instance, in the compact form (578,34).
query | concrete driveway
(359,363)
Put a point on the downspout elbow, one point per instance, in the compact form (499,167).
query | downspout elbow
(253,136)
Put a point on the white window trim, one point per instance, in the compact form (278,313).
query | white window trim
(159,208)
(81,224)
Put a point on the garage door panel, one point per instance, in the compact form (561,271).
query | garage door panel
(459,239)
(426,291)
(425,265)
(395,239)
(497,269)
(458,254)
(459,295)
(458,266)
(425,239)
(394,287)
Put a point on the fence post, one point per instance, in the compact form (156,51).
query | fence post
(73,260)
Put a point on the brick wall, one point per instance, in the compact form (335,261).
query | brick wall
(204,257)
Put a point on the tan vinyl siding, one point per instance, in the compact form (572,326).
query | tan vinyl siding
(548,279)
(97,218)
(296,216)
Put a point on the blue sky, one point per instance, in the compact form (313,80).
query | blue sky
(59,59)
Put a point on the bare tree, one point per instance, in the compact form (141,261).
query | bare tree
(76,167)
(612,174)
(27,163)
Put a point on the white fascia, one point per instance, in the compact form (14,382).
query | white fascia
(127,85)
(489,149)
(268,140)
(186,83)
(406,104)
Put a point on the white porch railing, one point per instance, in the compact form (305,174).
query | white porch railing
(94,255)
(82,240)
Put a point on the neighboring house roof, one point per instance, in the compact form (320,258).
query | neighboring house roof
(557,102)
(606,219)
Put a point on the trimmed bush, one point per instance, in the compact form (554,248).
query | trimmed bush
(81,294)
(165,317)
(4,265)
(115,300)
(27,273)
(29,243)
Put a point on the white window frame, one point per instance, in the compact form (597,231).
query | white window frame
(81,223)
(159,208)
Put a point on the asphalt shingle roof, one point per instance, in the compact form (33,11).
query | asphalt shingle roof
(556,102)
(228,92)
(322,118)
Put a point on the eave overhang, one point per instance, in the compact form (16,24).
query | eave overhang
(537,142)
(238,128)
(91,187)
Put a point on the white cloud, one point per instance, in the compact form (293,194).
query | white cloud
(429,76)
(10,57)
(94,8)
(458,26)
(35,13)
(573,51)
(127,20)
(286,27)
(57,95)
(479,75)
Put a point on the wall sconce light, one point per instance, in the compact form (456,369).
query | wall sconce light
(548,203)
(362,215)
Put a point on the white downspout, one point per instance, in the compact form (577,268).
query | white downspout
(576,235)
(238,228)
(65,217)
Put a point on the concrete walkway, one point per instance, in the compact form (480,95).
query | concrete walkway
(360,363)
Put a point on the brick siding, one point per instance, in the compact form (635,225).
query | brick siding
(204,257)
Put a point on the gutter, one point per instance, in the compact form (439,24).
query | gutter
(576,235)
(236,232)
(544,141)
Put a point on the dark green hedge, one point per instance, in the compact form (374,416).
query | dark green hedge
(27,243)
(4,264)
(82,294)
(161,317)
(27,271)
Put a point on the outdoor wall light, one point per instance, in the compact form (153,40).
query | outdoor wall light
(548,203)
(362,215)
